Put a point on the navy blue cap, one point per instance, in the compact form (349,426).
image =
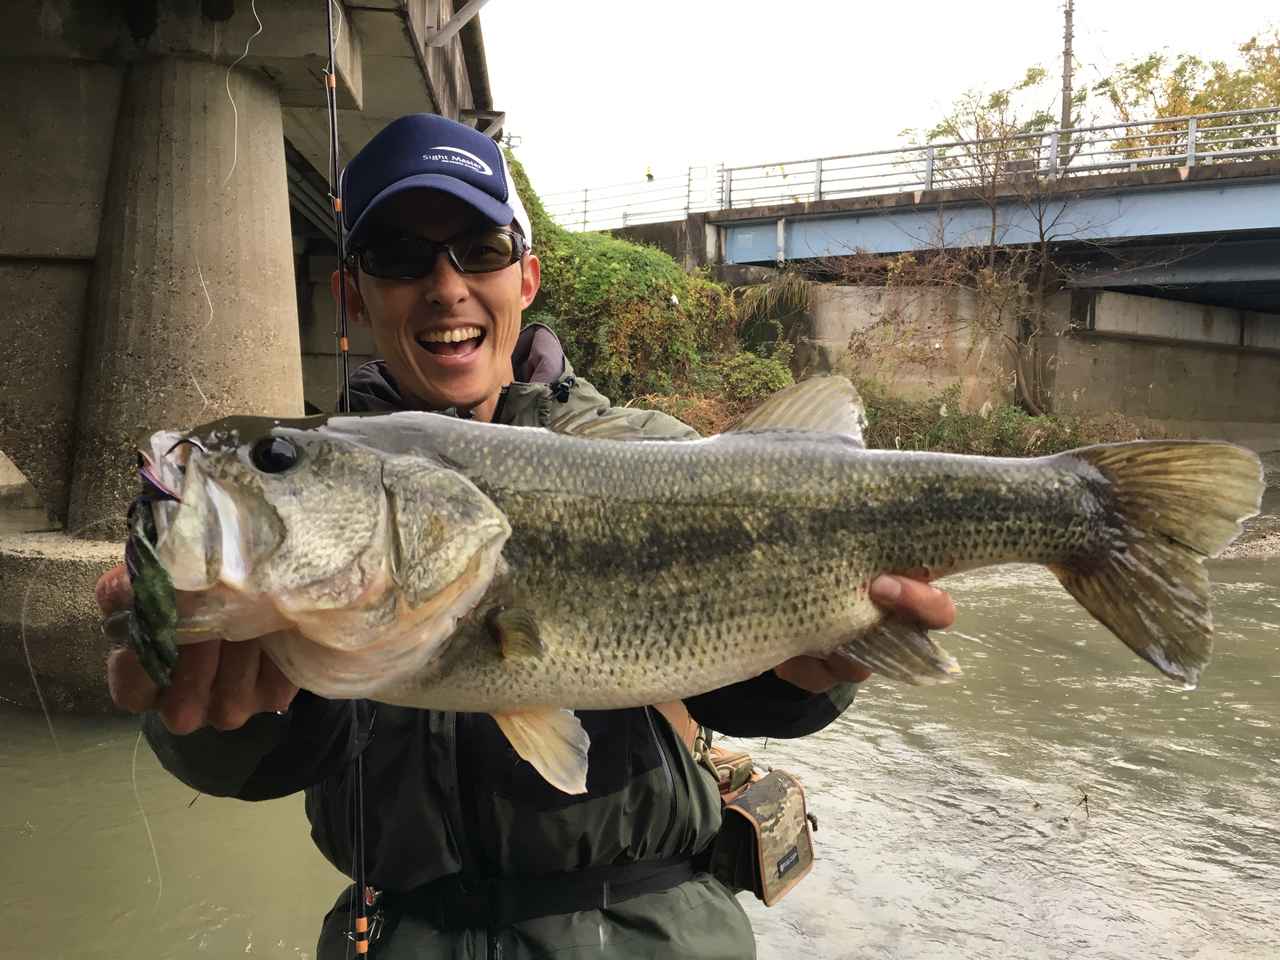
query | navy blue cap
(427,151)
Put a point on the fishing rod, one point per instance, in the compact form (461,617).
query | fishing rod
(335,196)
(362,892)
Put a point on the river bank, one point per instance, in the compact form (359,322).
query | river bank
(1260,539)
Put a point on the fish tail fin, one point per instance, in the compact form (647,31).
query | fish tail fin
(1174,503)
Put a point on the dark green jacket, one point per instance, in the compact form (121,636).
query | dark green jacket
(445,795)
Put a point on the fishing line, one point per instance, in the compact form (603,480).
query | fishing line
(209,300)
(195,383)
(22,629)
(48,717)
(155,856)
(235,114)
(336,6)
(205,287)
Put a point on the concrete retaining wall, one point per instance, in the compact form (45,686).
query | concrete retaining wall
(1178,364)
(1107,312)
(1196,370)
(916,341)
(669,236)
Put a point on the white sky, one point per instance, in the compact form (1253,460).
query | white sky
(599,89)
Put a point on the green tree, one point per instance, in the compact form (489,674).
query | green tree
(1159,85)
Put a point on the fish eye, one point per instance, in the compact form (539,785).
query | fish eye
(273,454)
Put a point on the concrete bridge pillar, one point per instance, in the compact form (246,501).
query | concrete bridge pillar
(192,313)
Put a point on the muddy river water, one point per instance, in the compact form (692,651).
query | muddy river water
(953,821)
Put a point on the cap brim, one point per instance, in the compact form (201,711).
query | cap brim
(497,211)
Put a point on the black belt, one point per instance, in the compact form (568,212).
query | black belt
(452,903)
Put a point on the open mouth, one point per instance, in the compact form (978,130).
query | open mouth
(457,342)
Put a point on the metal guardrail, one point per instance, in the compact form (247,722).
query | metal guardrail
(1084,151)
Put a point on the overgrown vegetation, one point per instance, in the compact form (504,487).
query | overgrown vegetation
(644,331)
(995,430)
(632,320)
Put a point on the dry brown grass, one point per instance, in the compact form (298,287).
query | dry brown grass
(707,414)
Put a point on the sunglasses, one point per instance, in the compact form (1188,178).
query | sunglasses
(410,258)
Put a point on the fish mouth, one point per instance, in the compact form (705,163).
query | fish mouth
(161,468)
(203,534)
(452,343)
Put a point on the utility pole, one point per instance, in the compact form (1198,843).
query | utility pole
(1068,7)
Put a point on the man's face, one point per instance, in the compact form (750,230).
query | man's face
(447,337)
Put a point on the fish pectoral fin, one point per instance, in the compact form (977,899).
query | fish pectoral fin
(819,404)
(901,650)
(553,741)
(516,631)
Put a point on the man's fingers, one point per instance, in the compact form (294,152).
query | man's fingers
(113,590)
(845,670)
(131,688)
(914,600)
(233,699)
(275,690)
(807,673)
(184,706)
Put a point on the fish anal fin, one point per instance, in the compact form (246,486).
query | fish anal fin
(516,631)
(819,404)
(553,741)
(901,650)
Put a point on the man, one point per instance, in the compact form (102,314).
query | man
(476,855)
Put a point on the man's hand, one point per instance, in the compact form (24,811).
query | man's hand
(216,683)
(901,596)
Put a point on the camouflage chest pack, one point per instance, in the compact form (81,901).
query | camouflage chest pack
(765,844)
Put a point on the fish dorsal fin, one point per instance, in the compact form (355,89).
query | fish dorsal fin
(819,404)
(553,741)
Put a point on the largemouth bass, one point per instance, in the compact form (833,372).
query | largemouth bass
(426,561)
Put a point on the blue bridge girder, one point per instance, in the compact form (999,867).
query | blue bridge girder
(1235,200)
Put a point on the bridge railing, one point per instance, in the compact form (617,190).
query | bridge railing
(973,164)
(627,204)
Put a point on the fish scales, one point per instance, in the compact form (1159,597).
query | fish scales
(758,548)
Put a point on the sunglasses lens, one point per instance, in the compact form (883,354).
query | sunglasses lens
(408,258)
(491,250)
(395,259)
